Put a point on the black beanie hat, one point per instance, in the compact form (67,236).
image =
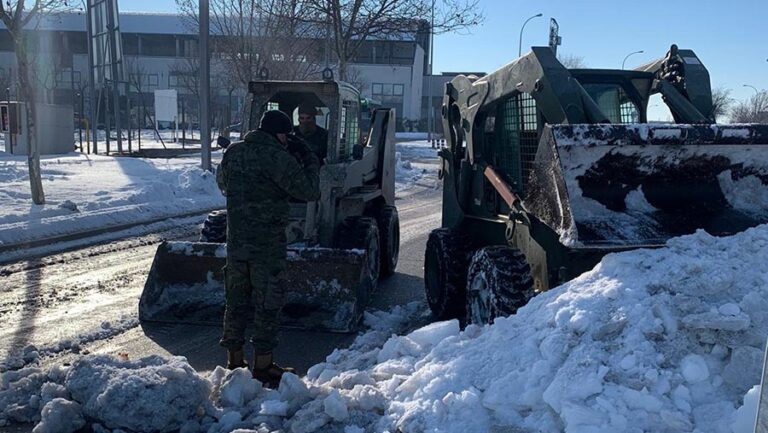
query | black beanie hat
(276,122)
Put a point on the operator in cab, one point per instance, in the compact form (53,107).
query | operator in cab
(308,129)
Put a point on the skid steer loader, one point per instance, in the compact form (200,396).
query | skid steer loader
(338,246)
(548,169)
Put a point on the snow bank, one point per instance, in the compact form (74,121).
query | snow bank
(650,340)
(86,192)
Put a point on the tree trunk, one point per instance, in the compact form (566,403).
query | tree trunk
(342,68)
(26,95)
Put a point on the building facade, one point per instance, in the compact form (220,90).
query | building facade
(160,51)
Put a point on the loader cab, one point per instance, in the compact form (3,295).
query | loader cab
(622,96)
(338,105)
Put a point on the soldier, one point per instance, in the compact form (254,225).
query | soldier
(316,136)
(258,175)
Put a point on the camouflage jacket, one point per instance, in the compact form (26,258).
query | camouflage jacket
(318,141)
(258,175)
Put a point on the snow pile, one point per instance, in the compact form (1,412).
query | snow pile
(650,340)
(405,174)
(748,193)
(150,394)
(155,394)
(88,192)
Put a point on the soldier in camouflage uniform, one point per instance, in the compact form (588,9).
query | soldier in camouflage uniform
(258,175)
(308,129)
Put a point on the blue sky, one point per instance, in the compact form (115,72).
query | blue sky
(730,37)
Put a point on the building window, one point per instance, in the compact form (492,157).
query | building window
(68,78)
(189,48)
(382,89)
(179,80)
(130,44)
(158,45)
(153,80)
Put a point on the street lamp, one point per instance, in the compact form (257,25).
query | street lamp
(520,47)
(205,85)
(753,88)
(625,58)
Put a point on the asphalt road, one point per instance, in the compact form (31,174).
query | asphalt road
(60,303)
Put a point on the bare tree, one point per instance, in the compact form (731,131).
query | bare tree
(754,110)
(352,22)
(249,35)
(571,61)
(18,18)
(187,74)
(721,101)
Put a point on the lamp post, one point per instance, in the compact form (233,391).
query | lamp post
(205,88)
(625,58)
(520,45)
(430,108)
(753,88)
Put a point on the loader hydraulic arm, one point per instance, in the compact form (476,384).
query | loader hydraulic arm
(509,197)
(684,84)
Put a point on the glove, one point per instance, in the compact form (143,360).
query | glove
(296,146)
(300,150)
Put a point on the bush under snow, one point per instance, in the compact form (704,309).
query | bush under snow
(650,340)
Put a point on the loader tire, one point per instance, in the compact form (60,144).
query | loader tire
(498,283)
(215,227)
(445,273)
(389,239)
(363,234)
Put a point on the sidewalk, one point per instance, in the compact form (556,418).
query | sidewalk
(89,192)
(93,194)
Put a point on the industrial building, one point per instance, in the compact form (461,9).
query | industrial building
(158,49)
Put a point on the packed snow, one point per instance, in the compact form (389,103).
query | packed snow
(89,192)
(415,163)
(667,339)
(641,223)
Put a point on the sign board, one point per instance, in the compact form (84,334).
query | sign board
(5,120)
(166,105)
(9,118)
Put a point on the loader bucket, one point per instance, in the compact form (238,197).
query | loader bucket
(326,289)
(640,184)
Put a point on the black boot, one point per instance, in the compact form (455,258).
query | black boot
(267,372)
(236,359)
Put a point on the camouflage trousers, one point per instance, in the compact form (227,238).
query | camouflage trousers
(253,288)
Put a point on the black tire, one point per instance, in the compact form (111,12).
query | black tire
(361,233)
(445,273)
(389,239)
(215,227)
(498,283)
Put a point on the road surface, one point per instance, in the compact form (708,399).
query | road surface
(85,300)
